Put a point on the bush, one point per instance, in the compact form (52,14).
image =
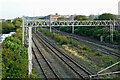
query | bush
(7,27)
(14,58)
(94,32)
(57,37)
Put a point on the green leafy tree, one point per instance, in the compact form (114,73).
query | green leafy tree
(14,58)
(61,18)
(7,26)
(42,18)
(17,22)
(80,17)
(107,16)
(91,17)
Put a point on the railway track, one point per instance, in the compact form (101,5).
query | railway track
(98,47)
(74,66)
(63,72)
(45,66)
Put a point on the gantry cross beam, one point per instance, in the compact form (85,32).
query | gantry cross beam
(47,23)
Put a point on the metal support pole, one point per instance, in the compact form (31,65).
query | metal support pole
(109,67)
(98,73)
(50,25)
(73,29)
(101,39)
(109,73)
(114,25)
(35,29)
(23,29)
(26,31)
(111,33)
(73,25)
(30,52)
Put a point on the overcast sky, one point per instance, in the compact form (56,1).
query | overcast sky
(18,8)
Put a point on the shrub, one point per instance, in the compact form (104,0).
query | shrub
(14,58)
(94,32)
(57,37)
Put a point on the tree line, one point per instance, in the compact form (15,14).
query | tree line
(95,32)
(9,25)
(104,16)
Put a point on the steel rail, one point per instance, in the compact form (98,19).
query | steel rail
(49,65)
(66,57)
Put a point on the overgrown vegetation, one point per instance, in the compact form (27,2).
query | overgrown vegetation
(9,25)
(61,18)
(14,57)
(95,32)
(80,17)
(14,54)
(58,38)
(17,22)
(93,59)
(107,16)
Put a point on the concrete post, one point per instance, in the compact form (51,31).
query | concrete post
(35,29)
(30,52)
(111,33)
(23,30)
(50,24)
(26,30)
(114,26)
(101,38)
(73,29)
(73,25)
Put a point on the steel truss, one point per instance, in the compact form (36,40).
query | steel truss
(47,23)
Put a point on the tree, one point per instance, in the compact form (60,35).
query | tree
(41,18)
(17,22)
(14,58)
(107,16)
(61,18)
(7,26)
(80,17)
(91,17)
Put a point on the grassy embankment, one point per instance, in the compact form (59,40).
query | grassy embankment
(93,59)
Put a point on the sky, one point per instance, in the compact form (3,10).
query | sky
(17,8)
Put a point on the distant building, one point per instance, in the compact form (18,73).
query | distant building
(53,17)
